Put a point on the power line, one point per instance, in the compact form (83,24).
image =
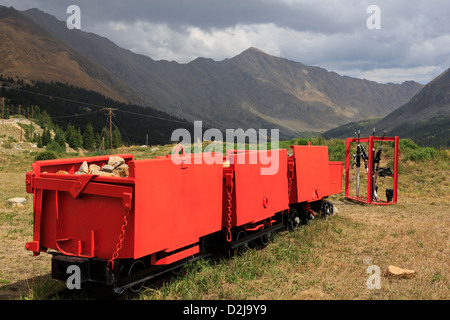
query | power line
(53,97)
(102,108)
(149,116)
(94,105)
(75,115)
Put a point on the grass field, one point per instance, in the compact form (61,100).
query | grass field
(328,259)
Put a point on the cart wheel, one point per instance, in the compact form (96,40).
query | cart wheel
(294,221)
(306,217)
(265,239)
(310,218)
(242,248)
(331,209)
(326,210)
(136,267)
(177,270)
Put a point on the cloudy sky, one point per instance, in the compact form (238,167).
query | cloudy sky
(412,43)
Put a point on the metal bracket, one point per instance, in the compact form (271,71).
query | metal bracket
(79,186)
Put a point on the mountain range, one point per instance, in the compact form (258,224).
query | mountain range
(425,118)
(250,90)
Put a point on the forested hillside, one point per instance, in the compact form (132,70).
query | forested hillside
(68,105)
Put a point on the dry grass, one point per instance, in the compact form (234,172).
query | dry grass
(326,260)
(329,259)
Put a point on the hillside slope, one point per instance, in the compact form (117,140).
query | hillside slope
(424,119)
(431,102)
(30,52)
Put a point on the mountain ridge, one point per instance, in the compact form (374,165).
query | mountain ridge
(425,118)
(26,47)
(250,90)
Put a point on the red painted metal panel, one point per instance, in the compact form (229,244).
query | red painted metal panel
(178,256)
(257,196)
(75,215)
(74,226)
(315,176)
(175,205)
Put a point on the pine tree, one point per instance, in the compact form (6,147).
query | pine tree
(105,135)
(117,138)
(39,141)
(89,138)
(78,139)
(70,136)
(46,137)
(45,120)
(60,138)
(98,141)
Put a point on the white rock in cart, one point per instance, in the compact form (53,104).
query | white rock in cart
(93,167)
(103,173)
(122,171)
(115,161)
(107,168)
(84,168)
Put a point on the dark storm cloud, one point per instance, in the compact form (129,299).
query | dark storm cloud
(319,16)
(413,42)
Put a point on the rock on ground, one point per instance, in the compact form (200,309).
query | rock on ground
(13,201)
(397,272)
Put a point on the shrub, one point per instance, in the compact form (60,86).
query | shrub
(421,154)
(55,146)
(46,155)
(7,145)
(336,150)
(405,144)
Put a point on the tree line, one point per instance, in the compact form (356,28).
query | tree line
(56,138)
(68,105)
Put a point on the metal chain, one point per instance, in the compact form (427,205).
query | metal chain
(119,244)
(290,177)
(229,206)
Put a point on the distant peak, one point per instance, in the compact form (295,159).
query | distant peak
(7,10)
(254,50)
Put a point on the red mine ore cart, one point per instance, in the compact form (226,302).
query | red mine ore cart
(313,178)
(258,198)
(160,211)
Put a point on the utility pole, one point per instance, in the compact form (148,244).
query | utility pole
(110,110)
(31,123)
(20,122)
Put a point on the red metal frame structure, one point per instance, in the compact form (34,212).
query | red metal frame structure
(370,140)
